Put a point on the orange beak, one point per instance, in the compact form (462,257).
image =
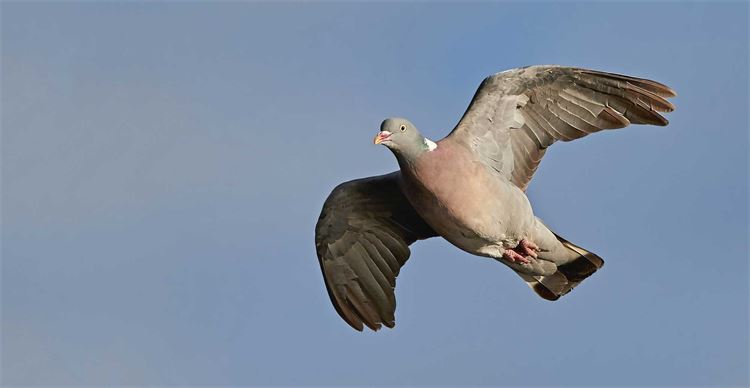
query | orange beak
(381,137)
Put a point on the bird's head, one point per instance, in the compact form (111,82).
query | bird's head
(402,137)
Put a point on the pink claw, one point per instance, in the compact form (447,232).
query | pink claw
(513,256)
(529,248)
(521,251)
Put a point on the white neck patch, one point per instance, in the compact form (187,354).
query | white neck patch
(429,144)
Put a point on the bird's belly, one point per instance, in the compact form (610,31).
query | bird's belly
(475,211)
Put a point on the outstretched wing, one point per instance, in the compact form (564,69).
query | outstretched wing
(362,239)
(515,115)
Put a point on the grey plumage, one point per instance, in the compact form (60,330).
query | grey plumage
(469,187)
(362,240)
(526,110)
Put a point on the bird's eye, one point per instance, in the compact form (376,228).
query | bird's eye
(403,127)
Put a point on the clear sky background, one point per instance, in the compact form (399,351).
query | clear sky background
(164,164)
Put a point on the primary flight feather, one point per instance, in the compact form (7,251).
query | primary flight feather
(469,187)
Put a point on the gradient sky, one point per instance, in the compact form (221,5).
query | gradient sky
(164,164)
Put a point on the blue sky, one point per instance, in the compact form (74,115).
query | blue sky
(164,164)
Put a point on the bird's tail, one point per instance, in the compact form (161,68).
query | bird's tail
(567,276)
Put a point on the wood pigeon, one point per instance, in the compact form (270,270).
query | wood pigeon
(469,188)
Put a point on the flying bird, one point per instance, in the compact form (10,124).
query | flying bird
(470,187)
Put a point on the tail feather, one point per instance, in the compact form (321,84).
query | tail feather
(568,275)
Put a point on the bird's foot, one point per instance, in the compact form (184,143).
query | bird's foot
(521,252)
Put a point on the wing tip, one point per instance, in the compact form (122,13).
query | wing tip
(358,327)
(658,88)
(613,117)
(667,92)
(374,326)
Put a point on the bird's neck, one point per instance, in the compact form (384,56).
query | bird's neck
(409,155)
(429,144)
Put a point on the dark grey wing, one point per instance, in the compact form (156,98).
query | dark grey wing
(362,239)
(515,115)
